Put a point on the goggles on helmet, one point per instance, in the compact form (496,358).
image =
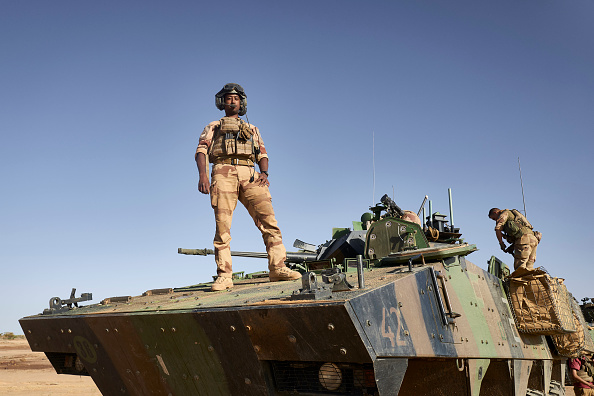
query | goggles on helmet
(231,88)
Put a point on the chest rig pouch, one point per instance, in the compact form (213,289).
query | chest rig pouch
(234,139)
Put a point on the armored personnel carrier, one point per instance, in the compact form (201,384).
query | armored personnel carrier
(389,307)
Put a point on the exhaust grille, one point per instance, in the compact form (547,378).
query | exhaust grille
(324,378)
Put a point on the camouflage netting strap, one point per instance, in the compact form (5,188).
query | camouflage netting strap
(540,304)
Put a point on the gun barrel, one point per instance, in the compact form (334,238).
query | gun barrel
(291,257)
(300,257)
(195,252)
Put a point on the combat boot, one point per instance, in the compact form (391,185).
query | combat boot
(222,283)
(283,274)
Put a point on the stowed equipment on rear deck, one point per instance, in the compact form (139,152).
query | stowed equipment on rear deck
(542,305)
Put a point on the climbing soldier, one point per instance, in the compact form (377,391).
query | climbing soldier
(233,147)
(517,230)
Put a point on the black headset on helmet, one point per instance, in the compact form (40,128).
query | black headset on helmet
(235,89)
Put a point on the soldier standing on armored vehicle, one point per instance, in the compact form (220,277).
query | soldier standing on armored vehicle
(512,225)
(233,147)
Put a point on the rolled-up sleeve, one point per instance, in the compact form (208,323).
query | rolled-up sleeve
(501,220)
(205,139)
(258,140)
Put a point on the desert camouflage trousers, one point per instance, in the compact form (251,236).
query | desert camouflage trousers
(525,251)
(229,184)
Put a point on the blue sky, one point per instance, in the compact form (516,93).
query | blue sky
(102,103)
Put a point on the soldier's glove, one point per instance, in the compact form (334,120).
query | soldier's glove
(510,249)
(502,246)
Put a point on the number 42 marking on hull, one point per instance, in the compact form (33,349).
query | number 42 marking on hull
(396,339)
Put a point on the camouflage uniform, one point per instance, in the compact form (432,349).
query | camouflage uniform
(521,236)
(231,182)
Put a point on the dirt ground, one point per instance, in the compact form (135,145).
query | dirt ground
(27,373)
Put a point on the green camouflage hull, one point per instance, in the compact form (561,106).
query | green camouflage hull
(444,328)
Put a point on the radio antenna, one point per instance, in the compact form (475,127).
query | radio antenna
(373,161)
(522,185)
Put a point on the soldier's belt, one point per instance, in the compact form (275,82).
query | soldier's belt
(234,161)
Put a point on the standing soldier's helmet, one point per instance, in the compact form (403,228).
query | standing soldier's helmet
(231,88)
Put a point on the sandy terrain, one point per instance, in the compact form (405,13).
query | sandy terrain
(26,373)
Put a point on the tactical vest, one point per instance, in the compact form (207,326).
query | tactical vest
(233,138)
(516,224)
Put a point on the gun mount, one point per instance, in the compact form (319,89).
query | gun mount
(392,209)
